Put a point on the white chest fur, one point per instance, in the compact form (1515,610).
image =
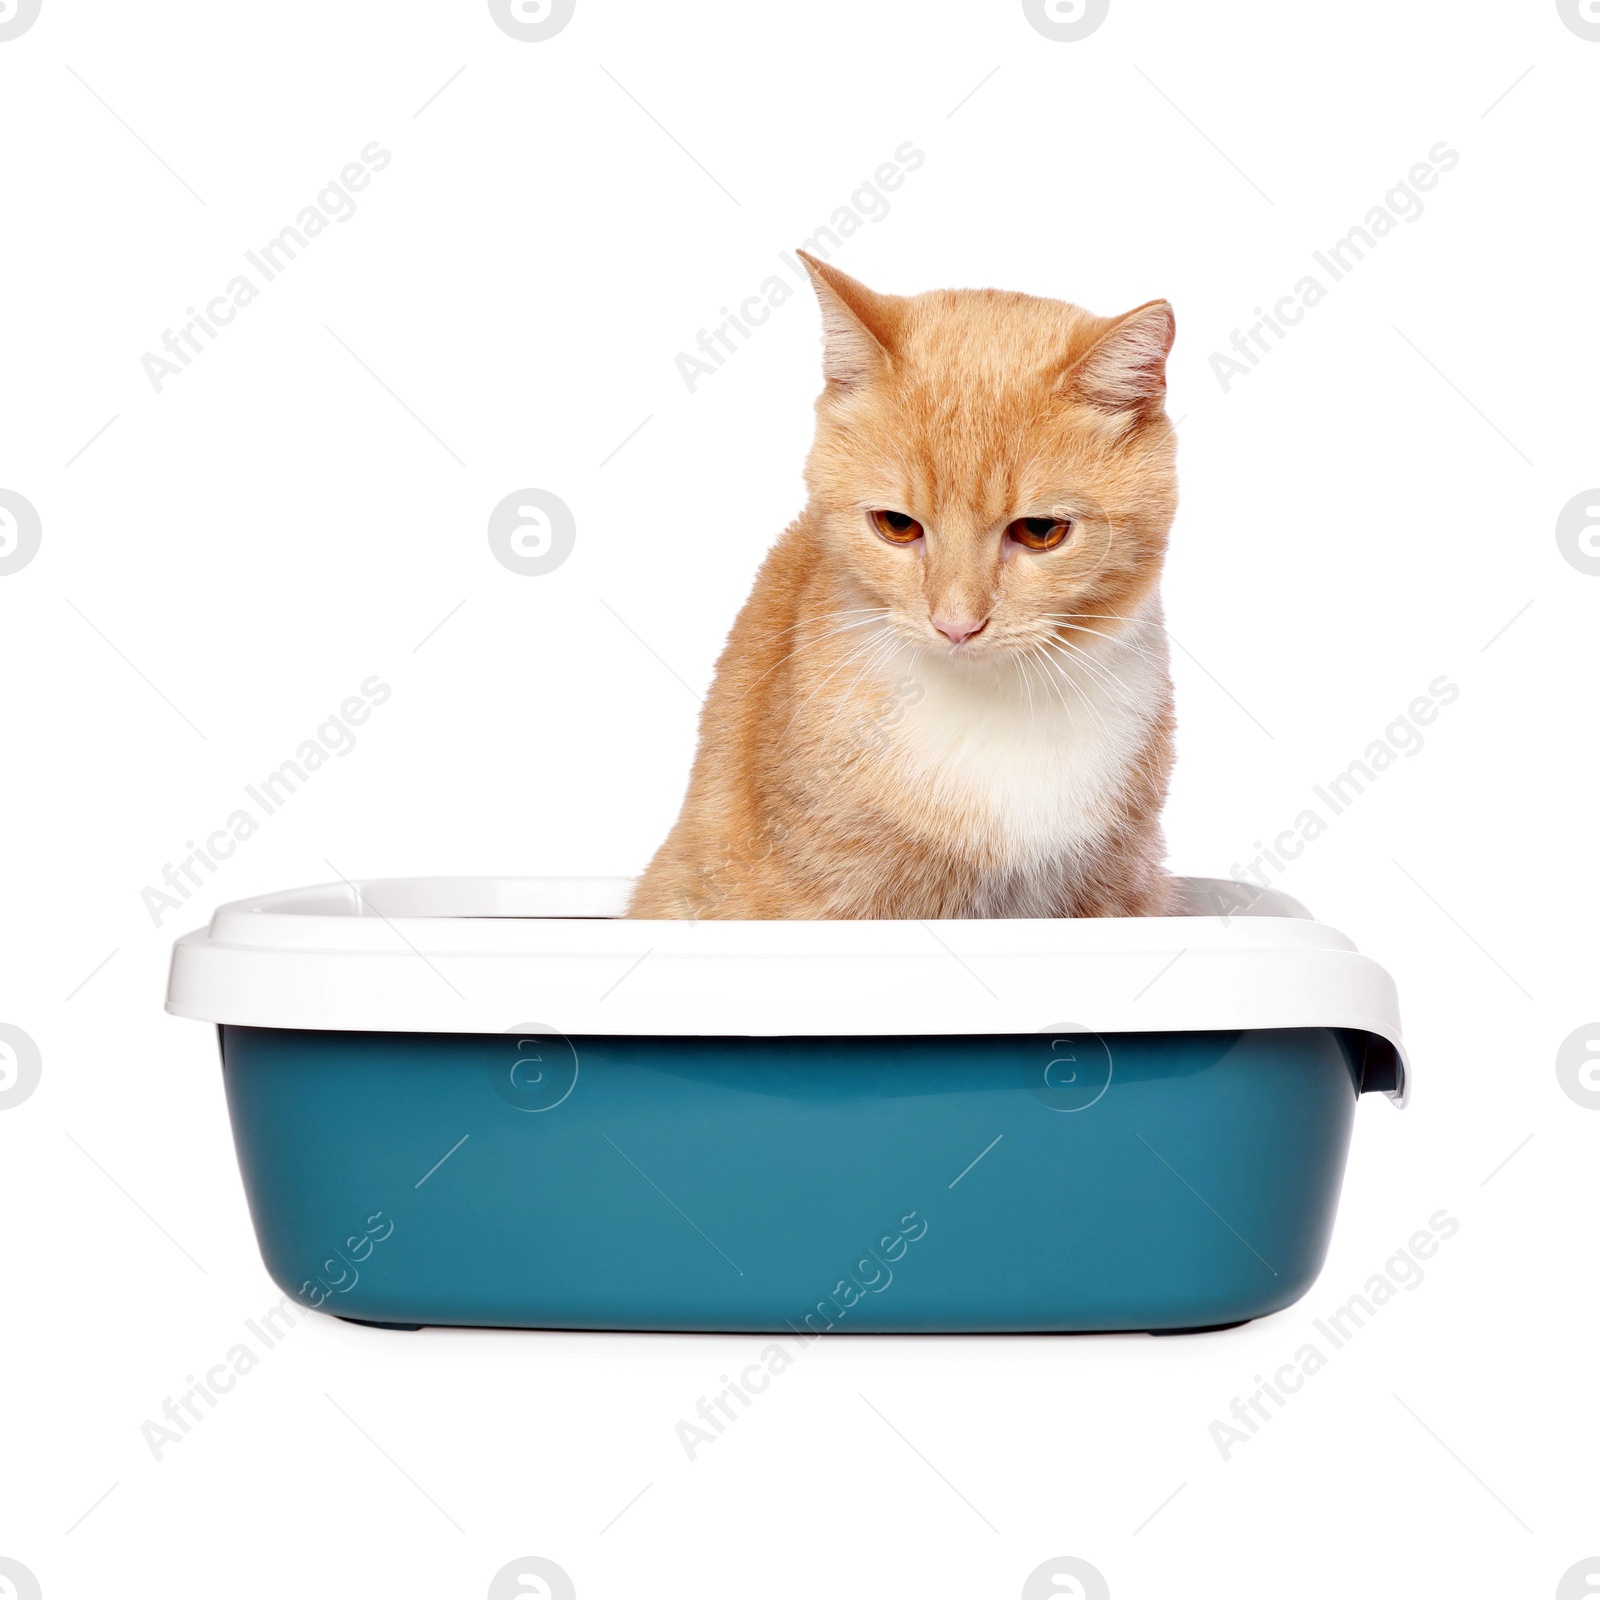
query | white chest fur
(1031,759)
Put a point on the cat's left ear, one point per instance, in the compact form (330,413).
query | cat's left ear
(858,325)
(1126,368)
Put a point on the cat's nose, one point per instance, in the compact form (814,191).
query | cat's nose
(956,629)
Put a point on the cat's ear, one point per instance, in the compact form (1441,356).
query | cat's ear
(857,325)
(1126,368)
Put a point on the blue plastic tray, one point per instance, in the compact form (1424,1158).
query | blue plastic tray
(931,1179)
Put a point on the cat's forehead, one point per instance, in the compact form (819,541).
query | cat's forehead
(970,410)
(973,396)
(1002,340)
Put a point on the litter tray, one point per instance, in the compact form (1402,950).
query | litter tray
(494,1102)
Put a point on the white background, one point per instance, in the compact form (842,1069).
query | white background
(230,558)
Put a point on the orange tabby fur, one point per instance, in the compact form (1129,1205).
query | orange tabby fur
(853,762)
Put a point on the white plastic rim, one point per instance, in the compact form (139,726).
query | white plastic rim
(490,955)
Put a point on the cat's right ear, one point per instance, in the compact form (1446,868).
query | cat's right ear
(857,325)
(1125,370)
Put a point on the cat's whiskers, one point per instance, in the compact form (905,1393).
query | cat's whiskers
(1106,678)
(853,654)
(861,613)
(1115,638)
(1048,674)
(1049,678)
(1130,639)
(1027,684)
(873,614)
(1100,671)
(1056,676)
(849,611)
(1122,639)
(873,662)
(1064,669)
(843,611)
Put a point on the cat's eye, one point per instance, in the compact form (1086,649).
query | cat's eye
(1040,533)
(897,527)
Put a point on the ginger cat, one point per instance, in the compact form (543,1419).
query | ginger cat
(948,692)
